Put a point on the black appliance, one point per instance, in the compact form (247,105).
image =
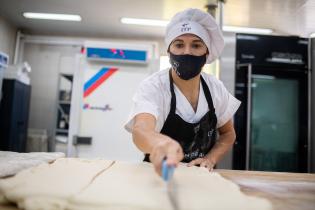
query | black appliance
(271,125)
(14,112)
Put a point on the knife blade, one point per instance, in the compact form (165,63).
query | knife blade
(167,175)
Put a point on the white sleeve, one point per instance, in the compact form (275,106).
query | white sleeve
(147,99)
(227,105)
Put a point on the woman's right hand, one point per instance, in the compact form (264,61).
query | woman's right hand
(166,148)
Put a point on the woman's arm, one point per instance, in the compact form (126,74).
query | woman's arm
(221,147)
(224,143)
(159,146)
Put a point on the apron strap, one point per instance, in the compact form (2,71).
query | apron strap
(207,94)
(173,98)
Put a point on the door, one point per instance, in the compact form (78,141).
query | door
(101,102)
(273,119)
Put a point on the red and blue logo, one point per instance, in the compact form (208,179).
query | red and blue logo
(92,84)
(118,52)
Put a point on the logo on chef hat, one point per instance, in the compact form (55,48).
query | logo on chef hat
(185,27)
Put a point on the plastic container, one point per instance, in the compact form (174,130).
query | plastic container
(37,140)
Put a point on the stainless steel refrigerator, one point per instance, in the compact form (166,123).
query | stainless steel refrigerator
(272,124)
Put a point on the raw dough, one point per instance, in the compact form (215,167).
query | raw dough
(49,186)
(124,186)
(76,184)
(128,186)
(13,162)
(200,189)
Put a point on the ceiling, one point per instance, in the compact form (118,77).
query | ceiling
(101,18)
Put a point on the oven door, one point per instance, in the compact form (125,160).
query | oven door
(272,123)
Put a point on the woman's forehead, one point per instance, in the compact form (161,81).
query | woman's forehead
(191,37)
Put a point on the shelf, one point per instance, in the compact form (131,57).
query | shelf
(65,102)
(61,130)
(68,77)
(61,139)
(64,95)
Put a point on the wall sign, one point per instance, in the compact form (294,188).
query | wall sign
(99,78)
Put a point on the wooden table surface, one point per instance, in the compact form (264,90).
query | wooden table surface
(286,191)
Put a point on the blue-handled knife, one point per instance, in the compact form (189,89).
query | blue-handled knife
(167,171)
(167,175)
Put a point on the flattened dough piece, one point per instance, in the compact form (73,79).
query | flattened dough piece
(13,162)
(198,189)
(130,186)
(125,186)
(49,186)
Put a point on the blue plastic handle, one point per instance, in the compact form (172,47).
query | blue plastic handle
(167,171)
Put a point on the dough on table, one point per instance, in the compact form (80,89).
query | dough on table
(135,186)
(132,186)
(77,184)
(200,189)
(14,162)
(49,186)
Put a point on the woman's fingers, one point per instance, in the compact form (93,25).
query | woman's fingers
(195,162)
(157,162)
(174,154)
(170,150)
(203,162)
(207,164)
(156,158)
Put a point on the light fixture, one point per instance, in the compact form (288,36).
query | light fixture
(50,16)
(145,22)
(154,22)
(247,30)
(312,35)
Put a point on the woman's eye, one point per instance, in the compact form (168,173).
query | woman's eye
(196,46)
(179,45)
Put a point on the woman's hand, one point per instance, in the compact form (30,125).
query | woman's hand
(166,148)
(159,146)
(203,162)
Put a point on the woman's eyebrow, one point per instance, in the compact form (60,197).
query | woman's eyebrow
(197,40)
(178,40)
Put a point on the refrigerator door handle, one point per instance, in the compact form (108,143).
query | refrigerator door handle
(249,111)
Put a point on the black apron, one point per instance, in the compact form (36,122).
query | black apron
(196,139)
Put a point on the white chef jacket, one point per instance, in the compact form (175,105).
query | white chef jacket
(154,97)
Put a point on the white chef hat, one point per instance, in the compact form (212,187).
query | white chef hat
(199,23)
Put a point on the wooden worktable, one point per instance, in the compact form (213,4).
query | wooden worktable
(286,191)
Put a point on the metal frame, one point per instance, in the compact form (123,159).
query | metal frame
(249,111)
(75,111)
(311,120)
(309,107)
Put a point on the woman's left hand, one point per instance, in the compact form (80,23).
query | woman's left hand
(203,162)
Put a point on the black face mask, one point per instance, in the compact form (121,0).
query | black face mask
(187,66)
